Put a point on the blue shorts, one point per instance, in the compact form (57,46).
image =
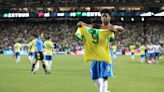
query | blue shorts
(142,55)
(48,57)
(132,53)
(101,69)
(17,54)
(157,54)
(150,55)
(31,54)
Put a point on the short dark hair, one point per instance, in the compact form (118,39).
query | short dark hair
(35,36)
(106,11)
(48,37)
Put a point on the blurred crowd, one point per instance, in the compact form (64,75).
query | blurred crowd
(138,33)
(62,33)
(56,2)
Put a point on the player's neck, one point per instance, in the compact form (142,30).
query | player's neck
(106,24)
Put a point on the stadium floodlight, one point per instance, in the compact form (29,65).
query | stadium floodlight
(132,19)
(147,14)
(122,19)
(142,19)
(159,14)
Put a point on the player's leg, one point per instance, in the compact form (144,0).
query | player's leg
(153,58)
(100,71)
(36,66)
(30,57)
(132,55)
(142,58)
(149,58)
(114,55)
(33,70)
(43,63)
(94,73)
(36,60)
(106,70)
(50,63)
(47,61)
(17,57)
(157,57)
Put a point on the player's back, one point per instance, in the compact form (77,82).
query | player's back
(132,48)
(150,48)
(142,49)
(48,47)
(33,44)
(157,48)
(17,47)
(114,48)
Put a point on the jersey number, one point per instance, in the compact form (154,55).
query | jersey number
(95,35)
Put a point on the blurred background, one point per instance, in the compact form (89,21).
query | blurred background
(19,19)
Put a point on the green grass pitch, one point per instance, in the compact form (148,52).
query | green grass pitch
(71,74)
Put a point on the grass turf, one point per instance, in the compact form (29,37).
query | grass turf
(71,74)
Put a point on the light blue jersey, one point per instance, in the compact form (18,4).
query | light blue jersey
(39,45)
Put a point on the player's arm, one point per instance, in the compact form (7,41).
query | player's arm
(78,35)
(118,28)
(81,24)
(36,49)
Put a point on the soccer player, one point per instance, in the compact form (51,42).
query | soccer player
(142,56)
(39,53)
(17,48)
(114,49)
(132,49)
(49,48)
(31,48)
(158,50)
(150,52)
(31,51)
(96,48)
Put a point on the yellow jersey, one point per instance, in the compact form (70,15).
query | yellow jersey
(132,48)
(31,46)
(17,47)
(114,48)
(142,49)
(48,47)
(96,43)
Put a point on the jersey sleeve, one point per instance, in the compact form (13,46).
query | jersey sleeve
(111,36)
(78,34)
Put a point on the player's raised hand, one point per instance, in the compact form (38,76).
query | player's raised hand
(118,28)
(80,24)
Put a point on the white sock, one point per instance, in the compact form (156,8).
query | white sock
(37,66)
(97,83)
(32,59)
(18,59)
(49,67)
(142,59)
(106,85)
(132,57)
(47,64)
(29,57)
(115,56)
(102,87)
